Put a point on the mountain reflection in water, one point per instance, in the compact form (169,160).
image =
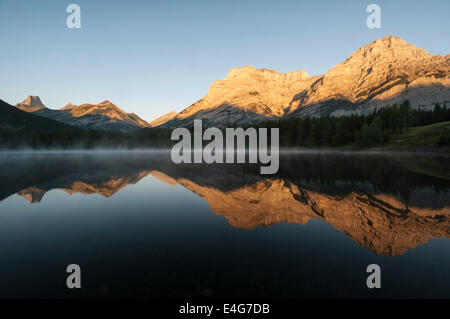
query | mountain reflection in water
(388,204)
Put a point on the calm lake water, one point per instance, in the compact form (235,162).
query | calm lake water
(140,226)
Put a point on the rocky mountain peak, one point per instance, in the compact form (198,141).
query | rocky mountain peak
(390,40)
(388,48)
(33,100)
(386,71)
(31,103)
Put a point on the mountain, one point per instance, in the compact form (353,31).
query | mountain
(15,118)
(31,104)
(101,116)
(386,71)
(246,95)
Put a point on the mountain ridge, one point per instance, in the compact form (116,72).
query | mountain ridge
(103,116)
(385,71)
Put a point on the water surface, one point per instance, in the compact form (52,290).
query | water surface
(140,226)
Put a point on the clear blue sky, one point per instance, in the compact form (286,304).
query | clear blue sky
(150,57)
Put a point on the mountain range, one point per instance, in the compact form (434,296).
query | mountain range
(102,116)
(386,71)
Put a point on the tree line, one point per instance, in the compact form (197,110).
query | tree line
(359,130)
(84,139)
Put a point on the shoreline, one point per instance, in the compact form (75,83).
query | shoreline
(374,150)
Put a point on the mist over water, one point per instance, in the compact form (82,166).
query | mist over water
(140,226)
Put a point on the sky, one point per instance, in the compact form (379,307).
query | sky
(151,57)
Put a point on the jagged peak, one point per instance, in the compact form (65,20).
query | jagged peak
(33,100)
(32,97)
(390,39)
(31,103)
(390,44)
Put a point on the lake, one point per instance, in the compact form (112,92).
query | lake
(140,226)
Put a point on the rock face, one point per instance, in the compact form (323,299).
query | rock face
(31,104)
(383,72)
(246,95)
(386,71)
(102,116)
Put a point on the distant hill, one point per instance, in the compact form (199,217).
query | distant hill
(101,116)
(16,119)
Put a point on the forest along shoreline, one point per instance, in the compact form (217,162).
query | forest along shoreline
(391,128)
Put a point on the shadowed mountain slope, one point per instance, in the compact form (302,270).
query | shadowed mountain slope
(17,119)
